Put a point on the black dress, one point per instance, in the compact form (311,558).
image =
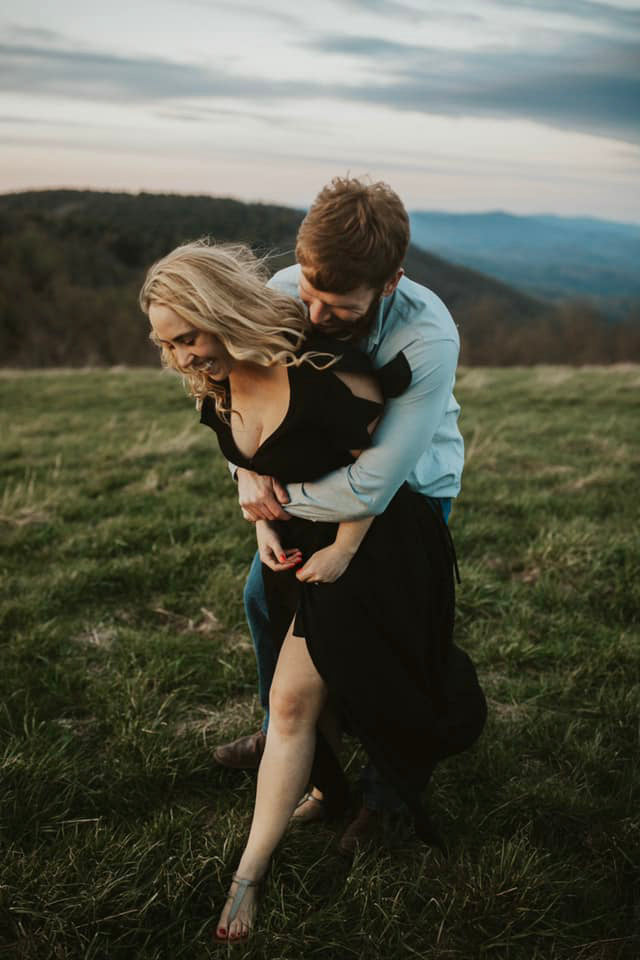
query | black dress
(381,635)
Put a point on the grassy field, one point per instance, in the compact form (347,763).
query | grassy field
(125,659)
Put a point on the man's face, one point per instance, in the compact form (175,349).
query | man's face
(349,314)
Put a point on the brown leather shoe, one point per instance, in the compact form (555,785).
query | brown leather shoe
(242,754)
(360,832)
(310,809)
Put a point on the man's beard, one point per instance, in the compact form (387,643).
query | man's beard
(354,329)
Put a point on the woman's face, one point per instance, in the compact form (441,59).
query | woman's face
(191,348)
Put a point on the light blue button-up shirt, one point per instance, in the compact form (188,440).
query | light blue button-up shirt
(417,439)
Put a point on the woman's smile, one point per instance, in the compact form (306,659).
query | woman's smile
(190,347)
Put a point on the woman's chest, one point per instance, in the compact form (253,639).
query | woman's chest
(258,413)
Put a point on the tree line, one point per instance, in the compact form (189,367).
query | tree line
(72,263)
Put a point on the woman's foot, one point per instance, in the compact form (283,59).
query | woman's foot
(238,914)
(311,808)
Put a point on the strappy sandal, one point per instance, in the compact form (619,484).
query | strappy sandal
(236,902)
(316,803)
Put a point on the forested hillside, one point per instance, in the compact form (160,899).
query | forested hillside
(72,263)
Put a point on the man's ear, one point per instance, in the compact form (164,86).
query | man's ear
(391,284)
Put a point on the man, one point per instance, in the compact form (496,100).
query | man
(350,249)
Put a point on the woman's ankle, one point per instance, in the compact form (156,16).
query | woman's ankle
(252,868)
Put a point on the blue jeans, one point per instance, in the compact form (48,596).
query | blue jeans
(376,794)
(255,608)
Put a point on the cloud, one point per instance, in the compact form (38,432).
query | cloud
(623,18)
(591,84)
(389,52)
(199,114)
(388,8)
(582,82)
(104,76)
(36,121)
(250,10)
(32,34)
(591,11)
(441,13)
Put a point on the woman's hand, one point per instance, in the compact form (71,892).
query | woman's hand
(326,565)
(270,548)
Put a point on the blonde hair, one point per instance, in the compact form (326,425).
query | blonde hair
(220,288)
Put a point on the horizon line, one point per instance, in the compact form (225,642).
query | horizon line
(133,192)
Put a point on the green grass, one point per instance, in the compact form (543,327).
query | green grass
(125,659)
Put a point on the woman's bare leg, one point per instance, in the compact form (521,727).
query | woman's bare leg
(297,696)
(312,809)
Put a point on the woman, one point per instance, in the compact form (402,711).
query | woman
(369,617)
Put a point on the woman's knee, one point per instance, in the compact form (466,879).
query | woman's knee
(292,708)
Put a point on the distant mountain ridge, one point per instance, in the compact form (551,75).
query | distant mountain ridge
(546,255)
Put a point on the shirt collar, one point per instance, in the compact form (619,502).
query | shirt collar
(373,339)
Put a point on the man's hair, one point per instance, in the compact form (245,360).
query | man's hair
(355,234)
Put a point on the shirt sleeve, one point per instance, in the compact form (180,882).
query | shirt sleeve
(405,432)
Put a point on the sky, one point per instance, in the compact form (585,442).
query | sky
(529,106)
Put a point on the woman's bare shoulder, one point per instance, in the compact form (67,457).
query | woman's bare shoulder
(363,385)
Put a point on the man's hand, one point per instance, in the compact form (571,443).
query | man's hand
(261,497)
(270,548)
(326,565)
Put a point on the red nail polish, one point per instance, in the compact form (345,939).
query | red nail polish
(282,558)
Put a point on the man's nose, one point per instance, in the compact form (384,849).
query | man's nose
(318,311)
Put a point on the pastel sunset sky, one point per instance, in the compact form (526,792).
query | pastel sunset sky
(521,105)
